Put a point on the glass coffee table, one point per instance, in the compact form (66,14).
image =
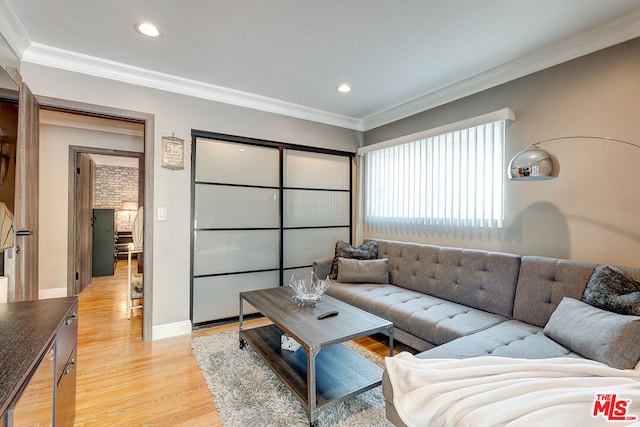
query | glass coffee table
(326,372)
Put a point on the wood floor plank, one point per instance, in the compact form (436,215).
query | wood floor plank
(123,381)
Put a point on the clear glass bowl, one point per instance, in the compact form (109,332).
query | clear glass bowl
(309,291)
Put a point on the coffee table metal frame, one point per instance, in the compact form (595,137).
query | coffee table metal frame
(343,372)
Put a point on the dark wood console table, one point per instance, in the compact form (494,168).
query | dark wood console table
(38,343)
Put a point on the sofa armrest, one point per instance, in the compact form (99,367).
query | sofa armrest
(322,267)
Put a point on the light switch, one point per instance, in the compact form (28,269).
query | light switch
(162,214)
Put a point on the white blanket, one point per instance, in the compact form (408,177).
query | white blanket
(500,391)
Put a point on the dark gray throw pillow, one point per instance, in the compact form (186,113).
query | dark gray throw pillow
(367,250)
(609,288)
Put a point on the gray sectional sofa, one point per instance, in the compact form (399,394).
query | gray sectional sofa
(459,303)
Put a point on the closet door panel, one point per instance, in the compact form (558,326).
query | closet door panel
(316,205)
(302,247)
(219,206)
(237,164)
(218,297)
(305,169)
(314,208)
(297,273)
(233,251)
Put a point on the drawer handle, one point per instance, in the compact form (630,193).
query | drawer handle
(69,367)
(71,318)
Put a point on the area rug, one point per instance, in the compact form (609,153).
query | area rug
(247,393)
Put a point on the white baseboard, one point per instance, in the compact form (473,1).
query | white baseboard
(169,330)
(52,293)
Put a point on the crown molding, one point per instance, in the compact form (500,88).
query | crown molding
(12,30)
(591,41)
(601,37)
(49,56)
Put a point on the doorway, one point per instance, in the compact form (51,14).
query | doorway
(108,192)
(110,118)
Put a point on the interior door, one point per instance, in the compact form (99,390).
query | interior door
(85,176)
(25,286)
(103,253)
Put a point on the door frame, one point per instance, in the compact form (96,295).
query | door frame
(147,120)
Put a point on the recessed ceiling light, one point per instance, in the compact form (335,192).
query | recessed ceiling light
(344,88)
(148,29)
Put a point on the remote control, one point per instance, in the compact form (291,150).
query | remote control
(327,314)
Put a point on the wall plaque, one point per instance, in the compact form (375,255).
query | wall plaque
(172,152)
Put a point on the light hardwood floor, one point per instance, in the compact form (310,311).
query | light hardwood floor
(123,381)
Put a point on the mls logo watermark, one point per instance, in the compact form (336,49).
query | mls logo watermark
(612,408)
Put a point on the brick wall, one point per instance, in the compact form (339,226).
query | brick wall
(114,185)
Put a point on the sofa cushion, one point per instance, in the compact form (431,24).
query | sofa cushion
(363,271)
(475,278)
(508,339)
(542,284)
(597,334)
(348,292)
(431,319)
(610,288)
(368,250)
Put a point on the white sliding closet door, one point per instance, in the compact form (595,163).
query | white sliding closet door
(316,208)
(262,211)
(236,225)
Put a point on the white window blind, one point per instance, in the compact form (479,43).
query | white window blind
(454,179)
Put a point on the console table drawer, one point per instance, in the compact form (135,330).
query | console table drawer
(66,340)
(65,401)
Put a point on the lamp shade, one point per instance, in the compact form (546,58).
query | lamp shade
(129,206)
(532,164)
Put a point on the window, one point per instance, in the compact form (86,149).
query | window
(443,177)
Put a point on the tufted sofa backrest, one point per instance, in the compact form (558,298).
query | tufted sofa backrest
(544,282)
(480,279)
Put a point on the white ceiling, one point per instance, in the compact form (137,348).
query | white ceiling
(288,56)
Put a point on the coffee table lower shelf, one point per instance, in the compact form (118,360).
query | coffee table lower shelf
(341,373)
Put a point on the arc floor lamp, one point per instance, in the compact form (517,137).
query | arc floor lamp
(535,164)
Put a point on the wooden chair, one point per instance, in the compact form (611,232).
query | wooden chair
(135,282)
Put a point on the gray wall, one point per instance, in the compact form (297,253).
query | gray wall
(179,114)
(591,211)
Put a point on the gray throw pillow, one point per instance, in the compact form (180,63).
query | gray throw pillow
(596,334)
(363,271)
(609,288)
(367,250)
